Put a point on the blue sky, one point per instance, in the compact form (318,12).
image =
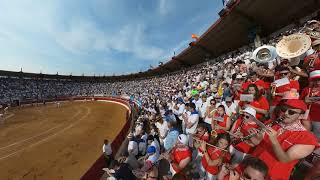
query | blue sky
(98,36)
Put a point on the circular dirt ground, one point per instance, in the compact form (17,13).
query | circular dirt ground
(47,142)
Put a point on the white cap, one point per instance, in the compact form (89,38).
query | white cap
(183,139)
(250,111)
(244,75)
(238,76)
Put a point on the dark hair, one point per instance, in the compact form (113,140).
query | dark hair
(213,99)
(256,164)
(223,136)
(233,77)
(257,95)
(203,126)
(115,164)
(106,141)
(252,73)
(192,105)
(173,123)
(222,106)
(284,69)
(150,137)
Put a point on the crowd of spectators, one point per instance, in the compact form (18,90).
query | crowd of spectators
(230,118)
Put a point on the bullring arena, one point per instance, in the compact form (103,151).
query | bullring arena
(47,142)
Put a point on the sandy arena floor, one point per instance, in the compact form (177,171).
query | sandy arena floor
(47,142)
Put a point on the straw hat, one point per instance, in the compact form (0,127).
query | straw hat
(293,46)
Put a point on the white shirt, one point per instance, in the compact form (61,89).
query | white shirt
(133,146)
(194,119)
(202,109)
(198,103)
(229,110)
(163,128)
(180,110)
(143,145)
(156,144)
(106,149)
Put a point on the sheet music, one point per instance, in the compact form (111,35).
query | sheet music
(218,118)
(246,97)
(282,82)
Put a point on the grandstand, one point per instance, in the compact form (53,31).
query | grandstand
(220,109)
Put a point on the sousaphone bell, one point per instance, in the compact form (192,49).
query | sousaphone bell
(293,47)
(264,54)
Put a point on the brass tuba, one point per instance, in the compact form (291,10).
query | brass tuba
(292,47)
(264,54)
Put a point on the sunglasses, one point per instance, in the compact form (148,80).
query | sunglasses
(246,117)
(290,112)
(228,101)
(284,74)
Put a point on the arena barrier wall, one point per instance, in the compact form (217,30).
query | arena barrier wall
(95,172)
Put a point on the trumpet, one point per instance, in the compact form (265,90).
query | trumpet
(197,139)
(214,134)
(260,130)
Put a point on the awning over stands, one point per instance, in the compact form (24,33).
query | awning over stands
(227,34)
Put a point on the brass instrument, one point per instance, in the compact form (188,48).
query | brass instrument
(214,134)
(292,47)
(260,130)
(197,139)
(314,98)
(264,54)
(313,34)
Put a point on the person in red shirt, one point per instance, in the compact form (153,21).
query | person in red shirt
(308,95)
(254,80)
(292,87)
(239,147)
(237,90)
(259,103)
(202,134)
(220,121)
(180,155)
(214,157)
(283,144)
(251,168)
